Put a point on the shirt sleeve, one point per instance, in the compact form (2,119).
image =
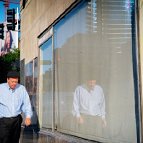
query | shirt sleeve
(27,109)
(76,102)
(103,106)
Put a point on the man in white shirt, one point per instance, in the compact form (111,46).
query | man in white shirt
(89,100)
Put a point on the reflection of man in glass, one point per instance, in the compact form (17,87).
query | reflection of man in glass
(7,44)
(89,100)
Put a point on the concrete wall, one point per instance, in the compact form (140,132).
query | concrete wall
(35,18)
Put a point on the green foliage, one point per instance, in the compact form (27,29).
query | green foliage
(12,56)
(9,61)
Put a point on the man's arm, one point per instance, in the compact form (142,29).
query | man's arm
(76,101)
(27,108)
(103,110)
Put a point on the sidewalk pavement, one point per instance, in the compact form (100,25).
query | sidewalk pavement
(29,136)
(49,137)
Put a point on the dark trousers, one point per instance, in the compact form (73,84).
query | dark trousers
(10,129)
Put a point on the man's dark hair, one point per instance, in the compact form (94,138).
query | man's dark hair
(13,74)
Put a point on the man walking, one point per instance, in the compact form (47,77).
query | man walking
(14,100)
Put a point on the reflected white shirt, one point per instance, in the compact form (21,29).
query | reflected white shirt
(89,102)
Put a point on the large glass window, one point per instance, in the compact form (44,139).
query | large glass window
(45,84)
(94,86)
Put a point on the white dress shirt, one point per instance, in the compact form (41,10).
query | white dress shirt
(90,102)
(14,102)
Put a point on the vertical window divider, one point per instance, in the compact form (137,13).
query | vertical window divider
(53,84)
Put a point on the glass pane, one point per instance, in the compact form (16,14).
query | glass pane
(22,72)
(29,77)
(46,88)
(94,73)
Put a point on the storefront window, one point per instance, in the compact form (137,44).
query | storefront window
(94,86)
(45,84)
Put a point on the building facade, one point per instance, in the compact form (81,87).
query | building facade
(64,44)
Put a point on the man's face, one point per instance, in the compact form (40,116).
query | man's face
(91,83)
(12,82)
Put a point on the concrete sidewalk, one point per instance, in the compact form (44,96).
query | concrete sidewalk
(29,138)
(50,137)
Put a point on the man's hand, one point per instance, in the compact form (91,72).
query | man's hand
(80,120)
(27,121)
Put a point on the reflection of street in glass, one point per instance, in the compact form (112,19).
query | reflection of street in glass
(89,100)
